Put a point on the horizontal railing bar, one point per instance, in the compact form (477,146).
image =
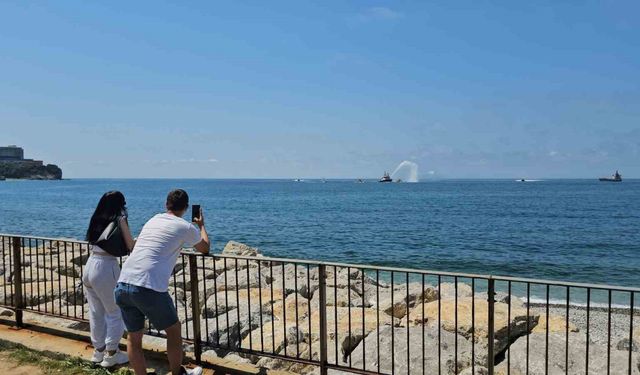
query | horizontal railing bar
(45,238)
(353,369)
(347,265)
(387,269)
(567,283)
(264,354)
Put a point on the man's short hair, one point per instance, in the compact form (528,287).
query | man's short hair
(177,200)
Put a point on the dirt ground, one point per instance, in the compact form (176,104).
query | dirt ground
(8,366)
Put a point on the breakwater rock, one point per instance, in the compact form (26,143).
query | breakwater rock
(30,170)
(372,324)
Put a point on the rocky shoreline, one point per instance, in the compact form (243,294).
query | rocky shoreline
(253,304)
(29,170)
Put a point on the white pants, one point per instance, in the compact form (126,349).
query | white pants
(99,280)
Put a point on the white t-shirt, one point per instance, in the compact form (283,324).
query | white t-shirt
(156,251)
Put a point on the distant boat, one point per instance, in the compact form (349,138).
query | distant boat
(385,178)
(617,177)
(298,180)
(360,181)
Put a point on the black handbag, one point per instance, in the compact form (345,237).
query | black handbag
(112,241)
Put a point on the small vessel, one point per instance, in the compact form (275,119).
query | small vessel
(385,178)
(360,181)
(617,177)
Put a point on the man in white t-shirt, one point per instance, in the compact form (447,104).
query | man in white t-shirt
(142,290)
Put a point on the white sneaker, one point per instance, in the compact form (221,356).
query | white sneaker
(193,371)
(118,358)
(97,356)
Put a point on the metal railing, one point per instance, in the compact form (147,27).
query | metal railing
(303,316)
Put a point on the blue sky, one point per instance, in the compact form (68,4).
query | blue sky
(323,89)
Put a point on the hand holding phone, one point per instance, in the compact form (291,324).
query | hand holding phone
(197,215)
(195,212)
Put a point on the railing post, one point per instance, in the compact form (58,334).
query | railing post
(323,318)
(491,301)
(195,307)
(18,298)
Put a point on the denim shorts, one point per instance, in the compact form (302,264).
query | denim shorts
(138,303)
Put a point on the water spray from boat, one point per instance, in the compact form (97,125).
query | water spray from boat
(407,171)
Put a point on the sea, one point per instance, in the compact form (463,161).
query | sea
(572,230)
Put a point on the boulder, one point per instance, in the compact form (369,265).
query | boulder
(68,270)
(342,297)
(227,330)
(227,280)
(557,324)
(577,358)
(304,350)
(293,304)
(74,295)
(293,279)
(228,300)
(6,312)
(365,355)
(448,290)
(505,331)
(403,301)
(624,345)
(78,259)
(240,249)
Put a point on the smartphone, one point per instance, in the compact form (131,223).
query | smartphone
(195,211)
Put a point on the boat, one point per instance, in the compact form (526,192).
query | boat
(360,181)
(617,177)
(385,178)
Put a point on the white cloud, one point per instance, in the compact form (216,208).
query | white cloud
(553,153)
(182,161)
(379,13)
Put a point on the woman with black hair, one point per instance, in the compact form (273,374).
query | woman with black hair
(100,277)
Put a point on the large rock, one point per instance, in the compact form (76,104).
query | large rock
(74,295)
(294,305)
(48,290)
(557,324)
(577,357)
(448,290)
(505,331)
(365,355)
(232,280)
(229,329)
(342,297)
(294,279)
(228,300)
(348,326)
(404,297)
(240,249)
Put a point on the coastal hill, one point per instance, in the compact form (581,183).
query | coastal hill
(14,165)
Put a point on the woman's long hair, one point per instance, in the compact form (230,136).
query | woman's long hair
(111,205)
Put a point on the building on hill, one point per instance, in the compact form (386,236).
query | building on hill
(11,152)
(14,165)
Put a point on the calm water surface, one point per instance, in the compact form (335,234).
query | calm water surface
(580,230)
